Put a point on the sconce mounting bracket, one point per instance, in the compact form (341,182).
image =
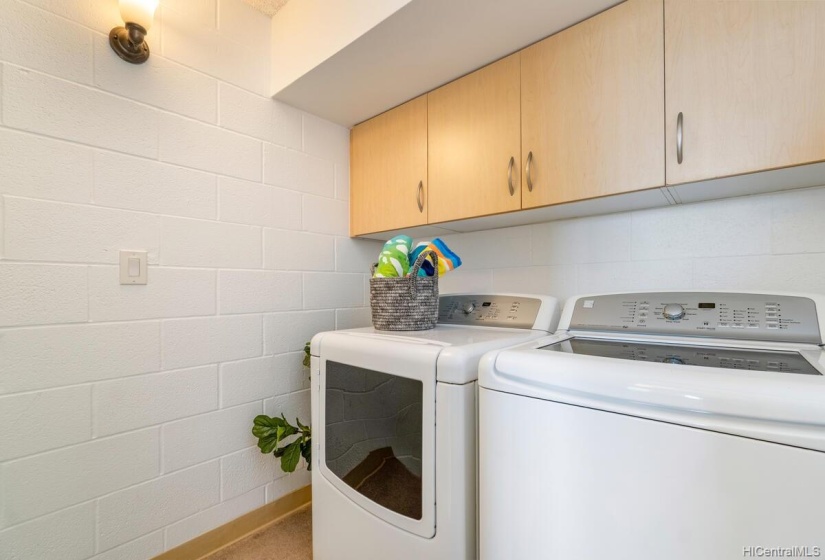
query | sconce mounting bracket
(128,43)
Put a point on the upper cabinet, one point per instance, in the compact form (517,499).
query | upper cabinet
(592,109)
(475,144)
(662,101)
(745,86)
(388,159)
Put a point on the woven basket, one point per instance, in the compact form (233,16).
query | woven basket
(409,303)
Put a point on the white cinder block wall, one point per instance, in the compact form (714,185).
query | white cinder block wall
(125,411)
(767,242)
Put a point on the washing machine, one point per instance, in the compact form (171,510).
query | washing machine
(394,429)
(658,425)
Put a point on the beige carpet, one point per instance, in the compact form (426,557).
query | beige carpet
(287,539)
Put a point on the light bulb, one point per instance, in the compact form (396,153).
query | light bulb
(141,12)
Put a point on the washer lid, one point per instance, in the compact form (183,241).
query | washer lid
(762,403)
(749,359)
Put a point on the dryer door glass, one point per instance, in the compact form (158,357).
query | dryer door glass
(373,435)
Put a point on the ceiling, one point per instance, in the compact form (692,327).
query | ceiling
(422,46)
(269,7)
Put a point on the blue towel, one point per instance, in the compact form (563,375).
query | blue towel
(447,259)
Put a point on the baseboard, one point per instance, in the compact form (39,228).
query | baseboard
(237,529)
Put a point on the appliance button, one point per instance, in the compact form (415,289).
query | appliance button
(723,325)
(773,325)
(738,326)
(753,325)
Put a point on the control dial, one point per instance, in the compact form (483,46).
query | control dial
(673,360)
(673,311)
(468,307)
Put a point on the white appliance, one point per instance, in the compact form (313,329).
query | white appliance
(653,426)
(394,429)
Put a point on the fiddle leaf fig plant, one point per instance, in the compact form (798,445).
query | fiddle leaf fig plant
(272,431)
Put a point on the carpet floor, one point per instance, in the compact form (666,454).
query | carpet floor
(287,539)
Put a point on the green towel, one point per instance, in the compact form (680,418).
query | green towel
(394,260)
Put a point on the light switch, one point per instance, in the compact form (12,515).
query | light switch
(133,266)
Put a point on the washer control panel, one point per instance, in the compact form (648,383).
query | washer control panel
(717,315)
(489,310)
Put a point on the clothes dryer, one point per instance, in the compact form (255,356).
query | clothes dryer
(394,429)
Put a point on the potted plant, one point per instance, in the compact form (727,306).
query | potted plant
(272,431)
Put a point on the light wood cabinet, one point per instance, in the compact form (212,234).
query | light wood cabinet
(646,94)
(474,132)
(388,170)
(592,110)
(749,81)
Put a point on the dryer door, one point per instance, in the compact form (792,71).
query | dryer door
(377,426)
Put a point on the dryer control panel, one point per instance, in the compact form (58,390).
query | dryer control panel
(709,314)
(485,310)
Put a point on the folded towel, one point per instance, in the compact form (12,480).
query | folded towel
(447,260)
(394,260)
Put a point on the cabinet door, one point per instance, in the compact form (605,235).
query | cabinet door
(592,111)
(473,134)
(388,170)
(749,81)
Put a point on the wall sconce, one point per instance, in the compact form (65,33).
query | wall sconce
(128,41)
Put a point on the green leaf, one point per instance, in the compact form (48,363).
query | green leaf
(268,421)
(271,432)
(263,426)
(306,452)
(266,426)
(291,456)
(266,445)
(307,355)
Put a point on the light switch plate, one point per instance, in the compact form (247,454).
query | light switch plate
(136,273)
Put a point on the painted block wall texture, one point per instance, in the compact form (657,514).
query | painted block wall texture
(242,204)
(125,410)
(773,242)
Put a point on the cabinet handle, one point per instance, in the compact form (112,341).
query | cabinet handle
(679,126)
(510,175)
(529,167)
(419,197)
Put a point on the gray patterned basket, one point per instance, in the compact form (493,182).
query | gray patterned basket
(409,303)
